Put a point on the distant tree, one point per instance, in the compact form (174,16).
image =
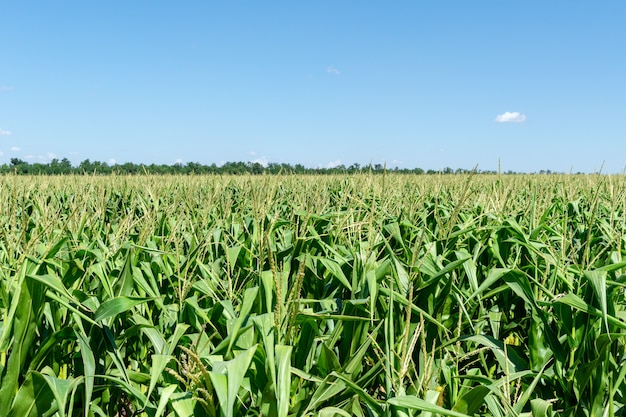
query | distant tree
(85,167)
(255,168)
(354,168)
(65,166)
(88,167)
(194,168)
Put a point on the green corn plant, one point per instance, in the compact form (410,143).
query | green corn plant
(325,295)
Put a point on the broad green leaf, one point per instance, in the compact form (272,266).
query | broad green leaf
(540,408)
(518,282)
(446,269)
(326,390)
(265,326)
(9,318)
(165,395)
(232,253)
(283,377)
(472,400)
(172,342)
(220,384)
(597,279)
(114,306)
(249,297)
(402,276)
(335,270)
(494,275)
(333,412)
(227,378)
(159,362)
(54,283)
(415,403)
(24,325)
(89,366)
(155,336)
(34,398)
(60,388)
(578,303)
(327,361)
(182,404)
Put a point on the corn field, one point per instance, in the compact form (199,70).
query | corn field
(364,295)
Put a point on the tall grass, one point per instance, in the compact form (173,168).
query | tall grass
(346,295)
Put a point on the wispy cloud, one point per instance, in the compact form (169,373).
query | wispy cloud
(112,161)
(4,132)
(6,88)
(261,161)
(15,149)
(51,155)
(332,70)
(511,117)
(334,164)
(1,153)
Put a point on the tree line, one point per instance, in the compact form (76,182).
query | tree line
(87,167)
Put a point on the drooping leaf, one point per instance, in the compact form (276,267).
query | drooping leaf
(117,305)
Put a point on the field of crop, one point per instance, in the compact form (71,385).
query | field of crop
(366,295)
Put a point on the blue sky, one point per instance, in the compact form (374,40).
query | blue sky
(431,84)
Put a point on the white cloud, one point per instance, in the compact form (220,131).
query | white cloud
(6,88)
(511,117)
(332,70)
(1,153)
(261,161)
(4,132)
(334,164)
(15,149)
(51,155)
(112,161)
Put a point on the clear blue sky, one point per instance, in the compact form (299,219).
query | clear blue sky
(533,84)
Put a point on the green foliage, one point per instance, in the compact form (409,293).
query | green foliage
(87,167)
(358,295)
